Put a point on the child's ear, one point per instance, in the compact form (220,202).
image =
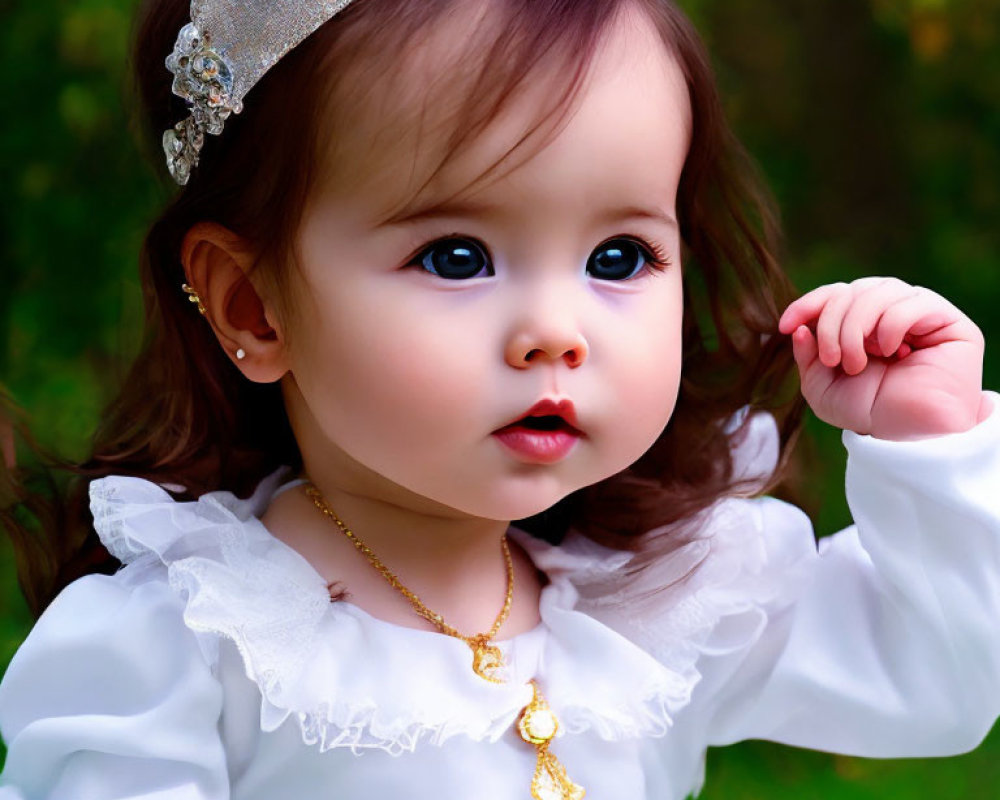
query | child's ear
(218,264)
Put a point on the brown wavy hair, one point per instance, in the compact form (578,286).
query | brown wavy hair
(185,415)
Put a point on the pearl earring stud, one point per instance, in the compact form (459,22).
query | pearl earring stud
(241,354)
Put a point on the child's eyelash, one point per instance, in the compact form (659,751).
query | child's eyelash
(656,256)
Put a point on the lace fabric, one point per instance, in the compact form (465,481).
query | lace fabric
(616,657)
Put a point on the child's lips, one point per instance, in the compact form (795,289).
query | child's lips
(545,434)
(562,408)
(538,447)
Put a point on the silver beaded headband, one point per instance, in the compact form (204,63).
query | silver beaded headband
(221,54)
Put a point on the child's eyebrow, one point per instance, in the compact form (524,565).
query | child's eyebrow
(627,213)
(473,208)
(415,213)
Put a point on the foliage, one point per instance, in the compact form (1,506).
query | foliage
(876,121)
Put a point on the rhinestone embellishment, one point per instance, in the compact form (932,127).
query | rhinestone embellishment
(221,54)
(203,78)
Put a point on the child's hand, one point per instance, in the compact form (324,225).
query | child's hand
(881,357)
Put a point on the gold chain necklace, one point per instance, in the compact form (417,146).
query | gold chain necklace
(537,724)
(487,659)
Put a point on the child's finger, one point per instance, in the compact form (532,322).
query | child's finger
(828,326)
(918,315)
(804,348)
(862,318)
(814,376)
(807,308)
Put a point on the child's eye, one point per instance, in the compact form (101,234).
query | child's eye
(454,259)
(622,258)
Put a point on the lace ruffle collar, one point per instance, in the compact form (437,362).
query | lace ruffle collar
(607,659)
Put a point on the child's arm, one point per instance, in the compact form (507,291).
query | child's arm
(111,697)
(890,646)
(885,643)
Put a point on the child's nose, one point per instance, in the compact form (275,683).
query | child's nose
(546,337)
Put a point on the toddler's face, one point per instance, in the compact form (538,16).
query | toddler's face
(416,343)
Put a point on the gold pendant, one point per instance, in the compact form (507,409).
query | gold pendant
(487,662)
(551,782)
(538,725)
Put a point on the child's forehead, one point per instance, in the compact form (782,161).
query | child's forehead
(399,140)
(397,117)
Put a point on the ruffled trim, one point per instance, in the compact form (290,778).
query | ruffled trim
(612,656)
(311,660)
(712,596)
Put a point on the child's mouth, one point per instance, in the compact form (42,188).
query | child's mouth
(545,435)
(549,422)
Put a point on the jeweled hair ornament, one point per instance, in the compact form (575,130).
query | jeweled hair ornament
(219,57)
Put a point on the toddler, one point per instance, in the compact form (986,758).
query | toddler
(442,470)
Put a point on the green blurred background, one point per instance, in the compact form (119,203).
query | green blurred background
(877,123)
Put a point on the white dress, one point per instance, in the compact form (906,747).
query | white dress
(213,665)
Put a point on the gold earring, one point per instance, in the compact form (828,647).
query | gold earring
(193,297)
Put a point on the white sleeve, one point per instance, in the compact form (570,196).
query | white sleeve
(111,697)
(892,648)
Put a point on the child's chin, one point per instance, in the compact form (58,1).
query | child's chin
(526,507)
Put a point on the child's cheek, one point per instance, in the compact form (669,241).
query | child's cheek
(638,366)
(648,395)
